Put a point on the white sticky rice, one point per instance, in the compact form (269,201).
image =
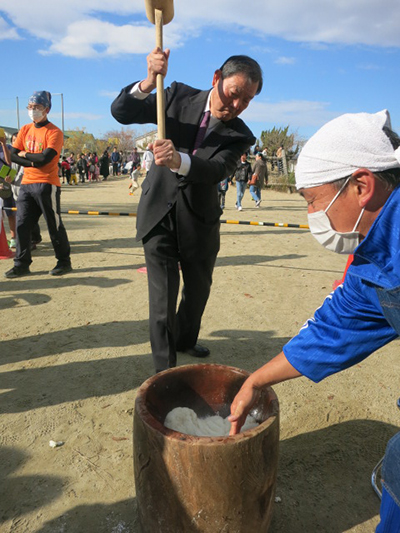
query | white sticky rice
(185,420)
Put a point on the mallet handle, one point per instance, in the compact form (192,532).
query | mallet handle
(160,78)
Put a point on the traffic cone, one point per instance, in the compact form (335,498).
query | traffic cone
(5,252)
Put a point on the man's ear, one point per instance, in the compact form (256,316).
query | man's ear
(371,192)
(216,77)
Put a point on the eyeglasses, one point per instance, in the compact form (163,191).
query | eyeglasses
(35,107)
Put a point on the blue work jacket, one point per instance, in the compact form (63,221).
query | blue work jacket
(362,314)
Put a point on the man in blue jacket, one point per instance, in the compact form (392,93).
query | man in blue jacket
(115,160)
(349,175)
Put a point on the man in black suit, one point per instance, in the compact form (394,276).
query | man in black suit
(178,213)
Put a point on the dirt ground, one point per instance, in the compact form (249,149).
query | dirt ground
(75,349)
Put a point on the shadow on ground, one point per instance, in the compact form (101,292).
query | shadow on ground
(338,459)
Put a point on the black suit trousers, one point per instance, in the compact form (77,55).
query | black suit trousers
(172,331)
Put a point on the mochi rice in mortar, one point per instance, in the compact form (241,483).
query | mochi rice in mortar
(185,420)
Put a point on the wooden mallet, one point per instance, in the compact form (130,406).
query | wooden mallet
(160,12)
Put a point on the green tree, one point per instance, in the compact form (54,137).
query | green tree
(78,140)
(276,137)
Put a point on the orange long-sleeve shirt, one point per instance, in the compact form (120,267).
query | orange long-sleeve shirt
(35,140)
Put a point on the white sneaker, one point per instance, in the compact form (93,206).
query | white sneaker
(258,203)
(239,208)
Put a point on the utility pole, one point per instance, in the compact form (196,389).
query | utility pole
(17,113)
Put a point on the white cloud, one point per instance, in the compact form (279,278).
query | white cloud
(92,28)
(285,60)
(94,38)
(369,66)
(315,21)
(296,113)
(86,116)
(109,94)
(6,32)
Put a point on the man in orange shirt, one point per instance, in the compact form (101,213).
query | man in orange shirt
(37,148)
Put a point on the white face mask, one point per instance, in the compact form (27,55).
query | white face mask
(320,227)
(36,115)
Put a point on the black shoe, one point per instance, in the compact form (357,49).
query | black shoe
(197,351)
(17,272)
(60,270)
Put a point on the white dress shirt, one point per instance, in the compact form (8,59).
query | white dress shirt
(186,162)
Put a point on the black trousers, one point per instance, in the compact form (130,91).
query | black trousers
(35,199)
(171,330)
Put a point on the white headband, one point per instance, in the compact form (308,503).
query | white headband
(345,144)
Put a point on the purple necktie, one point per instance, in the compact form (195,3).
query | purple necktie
(202,131)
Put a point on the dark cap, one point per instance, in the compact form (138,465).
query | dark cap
(41,98)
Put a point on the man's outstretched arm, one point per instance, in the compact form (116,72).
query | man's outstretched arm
(277,370)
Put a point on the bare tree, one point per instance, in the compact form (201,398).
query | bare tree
(122,139)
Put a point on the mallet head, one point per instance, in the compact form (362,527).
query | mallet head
(166,6)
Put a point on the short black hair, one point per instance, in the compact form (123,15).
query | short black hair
(243,65)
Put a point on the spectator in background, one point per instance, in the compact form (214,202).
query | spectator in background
(279,155)
(71,159)
(5,156)
(8,202)
(105,165)
(88,155)
(258,178)
(115,160)
(36,236)
(136,158)
(242,175)
(66,170)
(222,188)
(82,168)
(134,173)
(148,158)
(122,162)
(92,167)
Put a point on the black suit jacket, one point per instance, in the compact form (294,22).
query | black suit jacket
(195,195)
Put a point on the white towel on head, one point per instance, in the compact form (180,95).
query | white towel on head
(345,144)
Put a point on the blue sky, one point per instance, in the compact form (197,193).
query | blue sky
(320,59)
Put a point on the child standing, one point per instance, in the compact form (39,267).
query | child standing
(66,168)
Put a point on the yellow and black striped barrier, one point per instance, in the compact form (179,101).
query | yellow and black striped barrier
(245,222)
(273,224)
(98,213)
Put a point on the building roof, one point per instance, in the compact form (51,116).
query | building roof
(9,131)
(145,135)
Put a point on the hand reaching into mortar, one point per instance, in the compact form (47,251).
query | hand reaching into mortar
(277,370)
(241,406)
